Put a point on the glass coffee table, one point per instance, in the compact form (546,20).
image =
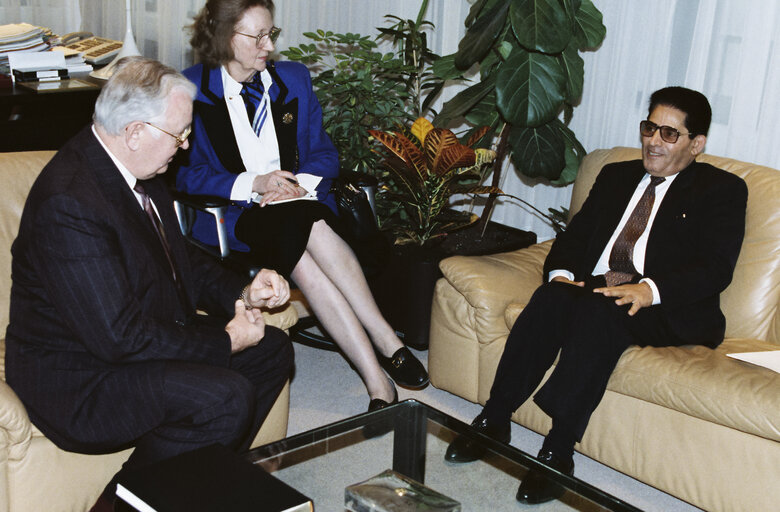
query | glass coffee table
(411,438)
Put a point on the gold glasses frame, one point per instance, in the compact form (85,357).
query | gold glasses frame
(180,139)
(264,37)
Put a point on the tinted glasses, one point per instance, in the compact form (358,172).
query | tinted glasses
(668,134)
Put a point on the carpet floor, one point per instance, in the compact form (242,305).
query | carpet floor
(325,389)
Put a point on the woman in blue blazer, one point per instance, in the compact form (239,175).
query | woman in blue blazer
(257,139)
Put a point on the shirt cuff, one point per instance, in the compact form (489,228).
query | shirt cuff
(654,288)
(563,273)
(242,187)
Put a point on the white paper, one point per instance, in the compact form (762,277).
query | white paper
(768,359)
(33,61)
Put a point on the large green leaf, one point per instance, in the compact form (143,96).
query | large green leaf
(589,29)
(538,152)
(574,67)
(530,88)
(444,68)
(464,101)
(484,113)
(541,25)
(481,35)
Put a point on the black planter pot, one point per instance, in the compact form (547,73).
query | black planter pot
(404,287)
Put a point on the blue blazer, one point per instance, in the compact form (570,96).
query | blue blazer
(213,162)
(692,248)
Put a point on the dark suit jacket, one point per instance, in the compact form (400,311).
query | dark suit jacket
(692,246)
(213,161)
(92,289)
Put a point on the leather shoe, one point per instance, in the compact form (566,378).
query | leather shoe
(405,369)
(536,487)
(467,449)
(377,403)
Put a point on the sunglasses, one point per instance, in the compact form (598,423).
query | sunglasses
(668,134)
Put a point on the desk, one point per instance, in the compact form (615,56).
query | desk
(35,121)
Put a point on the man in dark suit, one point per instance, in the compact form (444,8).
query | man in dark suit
(642,263)
(104,345)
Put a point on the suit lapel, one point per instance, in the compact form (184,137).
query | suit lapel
(216,120)
(671,216)
(286,119)
(128,212)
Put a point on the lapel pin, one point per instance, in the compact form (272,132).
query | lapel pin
(287,118)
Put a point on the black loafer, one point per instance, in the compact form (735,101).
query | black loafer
(377,403)
(537,488)
(466,449)
(405,369)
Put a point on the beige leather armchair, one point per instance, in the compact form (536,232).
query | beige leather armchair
(35,475)
(687,420)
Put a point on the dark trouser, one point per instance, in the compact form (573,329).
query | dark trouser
(198,405)
(591,332)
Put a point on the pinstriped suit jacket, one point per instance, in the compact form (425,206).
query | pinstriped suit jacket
(92,289)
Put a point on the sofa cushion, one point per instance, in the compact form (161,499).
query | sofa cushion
(700,382)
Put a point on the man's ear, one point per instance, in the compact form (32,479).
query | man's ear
(133,135)
(698,144)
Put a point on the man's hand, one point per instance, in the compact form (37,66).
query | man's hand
(561,279)
(639,295)
(276,186)
(268,289)
(246,329)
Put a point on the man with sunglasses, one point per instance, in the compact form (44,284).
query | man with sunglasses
(104,346)
(642,263)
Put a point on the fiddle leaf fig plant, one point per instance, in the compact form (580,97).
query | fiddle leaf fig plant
(531,75)
(430,165)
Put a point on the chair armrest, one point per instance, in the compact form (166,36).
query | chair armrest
(490,283)
(15,425)
(186,205)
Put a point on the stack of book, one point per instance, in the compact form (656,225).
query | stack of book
(74,61)
(20,38)
(40,75)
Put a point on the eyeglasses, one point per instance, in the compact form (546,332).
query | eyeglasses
(180,139)
(668,134)
(263,37)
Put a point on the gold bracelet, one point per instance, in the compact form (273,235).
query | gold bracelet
(245,297)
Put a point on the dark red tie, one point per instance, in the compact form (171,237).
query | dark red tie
(621,259)
(157,225)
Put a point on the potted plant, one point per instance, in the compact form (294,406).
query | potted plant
(530,73)
(430,165)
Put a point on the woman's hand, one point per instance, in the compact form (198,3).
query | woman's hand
(276,186)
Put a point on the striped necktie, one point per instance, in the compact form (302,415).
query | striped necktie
(256,102)
(621,259)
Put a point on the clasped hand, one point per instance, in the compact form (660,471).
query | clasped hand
(639,295)
(277,186)
(267,290)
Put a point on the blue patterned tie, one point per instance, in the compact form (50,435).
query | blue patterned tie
(256,103)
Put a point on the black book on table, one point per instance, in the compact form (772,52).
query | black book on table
(209,479)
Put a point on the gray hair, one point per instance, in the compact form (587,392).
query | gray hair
(138,90)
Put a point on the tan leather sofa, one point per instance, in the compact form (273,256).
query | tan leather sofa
(689,421)
(35,475)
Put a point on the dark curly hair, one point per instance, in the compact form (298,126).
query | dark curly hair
(214,25)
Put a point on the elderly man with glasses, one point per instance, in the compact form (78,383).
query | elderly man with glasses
(642,263)
(104,345)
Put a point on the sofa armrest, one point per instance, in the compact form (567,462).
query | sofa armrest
(283,317)
(490,283)
(15,425)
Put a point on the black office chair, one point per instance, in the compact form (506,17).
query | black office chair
(355,194)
